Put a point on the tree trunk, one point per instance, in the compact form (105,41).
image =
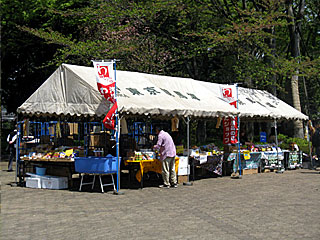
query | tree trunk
(297,125)
(295,52)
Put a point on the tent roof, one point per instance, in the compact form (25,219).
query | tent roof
(259,103)
(72,90)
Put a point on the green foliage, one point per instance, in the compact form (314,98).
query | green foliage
(218,41)
(285,143)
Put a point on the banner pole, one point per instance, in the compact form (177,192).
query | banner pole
(117,130)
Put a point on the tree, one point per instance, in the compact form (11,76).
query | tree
(222,41)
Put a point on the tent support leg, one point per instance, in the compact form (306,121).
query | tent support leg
(188,183)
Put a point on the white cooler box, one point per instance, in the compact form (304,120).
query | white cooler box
(52,182)
(46,181)
(33,182)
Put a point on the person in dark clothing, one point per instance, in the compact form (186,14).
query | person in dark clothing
(244,138)
(11,139)
(315,138)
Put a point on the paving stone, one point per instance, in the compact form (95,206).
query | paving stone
(258,206)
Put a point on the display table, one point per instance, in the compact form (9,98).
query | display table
(55,167)
(292,160)
(257,160)
(152,165)
(253,161)
(212,163)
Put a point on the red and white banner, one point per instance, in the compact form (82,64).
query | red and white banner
(106,86)
(105,79)
(109,119)
(230,94)
(230,124)
(230,130)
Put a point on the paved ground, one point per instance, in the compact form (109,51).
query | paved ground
(258,206)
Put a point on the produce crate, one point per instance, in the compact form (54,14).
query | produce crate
(182,179)
(98,165)
(249,171)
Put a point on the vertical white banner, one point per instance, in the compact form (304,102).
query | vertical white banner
(229,93)
(106,83)
(105,79)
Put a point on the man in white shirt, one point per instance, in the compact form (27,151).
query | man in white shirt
(167,150)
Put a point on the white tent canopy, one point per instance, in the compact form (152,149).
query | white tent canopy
(258,103)
(72,90)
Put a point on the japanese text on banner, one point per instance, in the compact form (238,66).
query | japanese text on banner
(230,124)
(230,130)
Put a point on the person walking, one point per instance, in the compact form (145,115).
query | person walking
(11,139)
(167,150)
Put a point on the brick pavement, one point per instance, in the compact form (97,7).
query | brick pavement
(258,206)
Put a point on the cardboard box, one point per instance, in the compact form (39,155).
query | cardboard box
(99,140)
(249,171)
(229,148)
(182,179)
(94,140)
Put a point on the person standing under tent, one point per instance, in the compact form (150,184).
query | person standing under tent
(11,139)
(315,138)
(167,156)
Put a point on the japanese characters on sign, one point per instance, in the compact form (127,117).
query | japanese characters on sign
(153,91)
(230,130)
(230,124)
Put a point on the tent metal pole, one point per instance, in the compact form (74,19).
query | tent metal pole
(117,149)
(188,183)
(17,152)
(276,133)
(188,141)
(238,118)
